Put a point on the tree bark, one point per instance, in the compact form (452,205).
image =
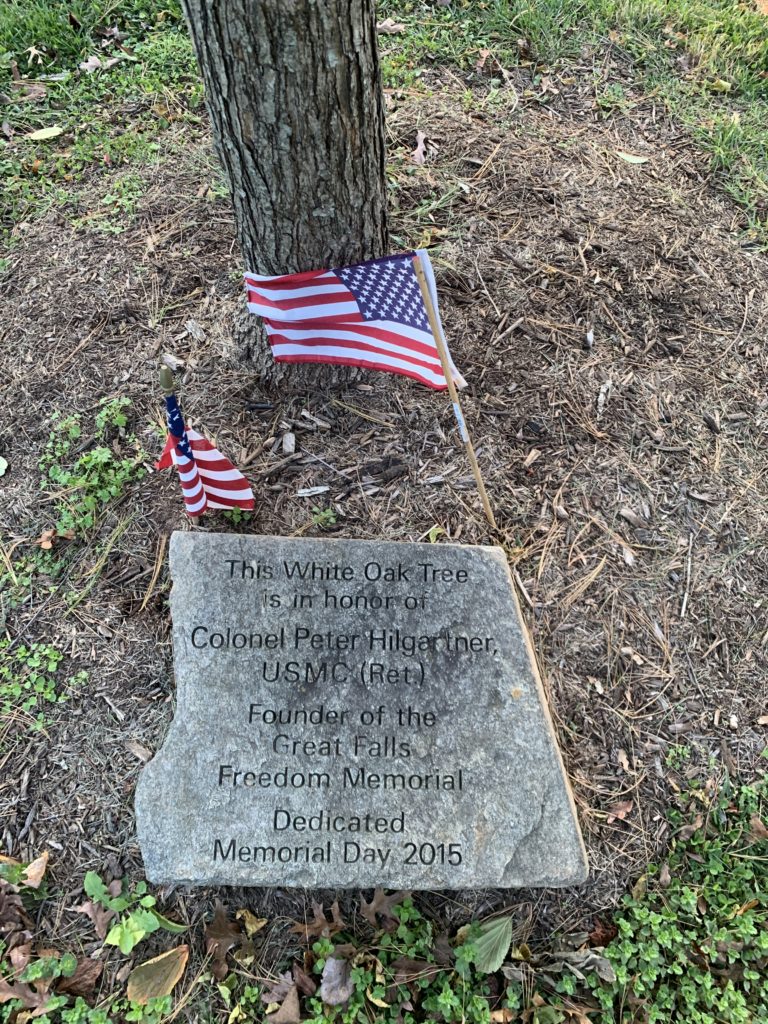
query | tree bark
(294,95)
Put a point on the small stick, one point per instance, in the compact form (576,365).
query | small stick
(445,363)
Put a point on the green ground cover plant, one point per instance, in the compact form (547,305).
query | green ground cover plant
(83,483)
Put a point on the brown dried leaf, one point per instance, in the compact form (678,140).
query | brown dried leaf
(35,871)
(221,935)
(688,830)
(31,999)
(289,1012)
(320,926)
(279,989)
(336,985)
(406,969)
(100,916)
(382,905)
(32,91)
(619,811)
(390,27)
(304,982)
(602,933)
(83,981)
(758,831)
(157,977)
(419,155)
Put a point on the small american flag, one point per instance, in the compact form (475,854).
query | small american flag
(208,480)
(370,315)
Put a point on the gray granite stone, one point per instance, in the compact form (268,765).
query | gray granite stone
(354,713)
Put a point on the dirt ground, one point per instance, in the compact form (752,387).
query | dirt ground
(610,324)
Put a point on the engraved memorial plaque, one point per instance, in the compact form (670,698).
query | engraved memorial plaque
(354,713)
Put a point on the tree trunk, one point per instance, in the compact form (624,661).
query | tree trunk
(294,95)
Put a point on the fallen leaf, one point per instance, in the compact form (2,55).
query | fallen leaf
(482,58)
(602,933)
(251,923)
(631,158)
(758,831)
(419,155)
(382,905)
(33,875)
(45,133)
(631,517)
(305,984)
(138,750)
(492,944)
(289,1012)
(29,90)
(406,969)
(157,977)
(30,999)
(336,985)
(83,981)
(390,27)
(89,66)
(320,926)
(531,457)
(688,830)
(640,887)
(376,1001)
(619,811)
(100,916)
(221,935)
(279,989)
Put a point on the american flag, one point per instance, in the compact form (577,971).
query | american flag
(208,480)
(370,315)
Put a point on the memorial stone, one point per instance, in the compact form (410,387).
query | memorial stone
(354,713)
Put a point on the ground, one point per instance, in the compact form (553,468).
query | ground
(608,311)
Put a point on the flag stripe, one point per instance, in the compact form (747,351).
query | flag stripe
(414,342)
(317,311)
(336,296)
(373,360)
(347,346)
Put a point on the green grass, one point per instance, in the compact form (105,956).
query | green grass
(50,36)
(111,119)
(707,60)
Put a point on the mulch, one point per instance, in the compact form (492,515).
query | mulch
(609,316)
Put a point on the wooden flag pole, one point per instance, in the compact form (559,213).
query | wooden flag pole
(446,364)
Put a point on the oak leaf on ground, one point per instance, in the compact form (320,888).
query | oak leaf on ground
(279,989)
(221,935)
(289,1012)
(320,926)
(382,905)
